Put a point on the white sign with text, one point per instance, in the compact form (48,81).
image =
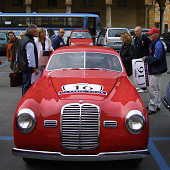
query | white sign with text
(140,73)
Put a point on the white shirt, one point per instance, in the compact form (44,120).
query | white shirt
(48,45)
(30,54)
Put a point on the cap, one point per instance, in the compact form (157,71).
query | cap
(153,30)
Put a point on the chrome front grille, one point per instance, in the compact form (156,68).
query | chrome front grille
(80,126)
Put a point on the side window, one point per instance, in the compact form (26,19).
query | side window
(103,32)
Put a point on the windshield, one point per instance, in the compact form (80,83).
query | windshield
(2,36)
(80,35)
(115,32)
(84,60)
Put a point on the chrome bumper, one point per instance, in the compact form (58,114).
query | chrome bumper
(103,156)
(165,103)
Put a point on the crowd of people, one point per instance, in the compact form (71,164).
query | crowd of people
(150,50)
(24,53)
(27,51)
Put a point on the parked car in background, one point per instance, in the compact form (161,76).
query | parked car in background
(3,42)
(166,99)
(80,37)
(110,37)
(50,34)
(132,31)
(165,37)
(82,108)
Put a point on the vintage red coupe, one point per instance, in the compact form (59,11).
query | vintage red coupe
(81,37)
(82,108)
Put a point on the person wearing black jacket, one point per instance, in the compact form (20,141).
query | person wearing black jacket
(12,47)
(141,47)
(58,41)
(127,52)
(27,57)
(141,44)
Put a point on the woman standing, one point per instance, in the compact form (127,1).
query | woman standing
(12,47)
(127,52)
(43,44)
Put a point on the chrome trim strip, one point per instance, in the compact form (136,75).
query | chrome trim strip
(102,156)
(165,103)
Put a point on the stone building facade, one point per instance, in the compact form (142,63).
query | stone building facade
(166,19)
(113,13)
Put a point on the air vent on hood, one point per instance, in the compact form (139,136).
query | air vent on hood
(50,123)
(110,124)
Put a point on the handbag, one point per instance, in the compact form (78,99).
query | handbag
(15,78)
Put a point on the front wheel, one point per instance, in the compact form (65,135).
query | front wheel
(28,160)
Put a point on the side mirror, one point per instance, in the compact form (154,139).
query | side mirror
(68,40)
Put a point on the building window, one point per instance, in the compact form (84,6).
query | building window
(166,10)
(165,27)
(87,3)
(122,3)
(17,2)
(52,3)
(157,25)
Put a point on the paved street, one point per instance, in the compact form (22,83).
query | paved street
(159,142)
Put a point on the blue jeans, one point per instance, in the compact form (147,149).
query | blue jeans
(26,82)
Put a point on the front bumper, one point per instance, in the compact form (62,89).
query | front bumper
(103,156)
(165,103)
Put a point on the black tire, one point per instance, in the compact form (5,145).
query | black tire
(28,160)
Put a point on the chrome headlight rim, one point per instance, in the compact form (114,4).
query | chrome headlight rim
(72,44)
(132,114)
(91,44)
(30,116)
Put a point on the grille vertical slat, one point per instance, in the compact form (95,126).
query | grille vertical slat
(80,125)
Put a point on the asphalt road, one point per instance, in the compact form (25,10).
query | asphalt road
(159,141)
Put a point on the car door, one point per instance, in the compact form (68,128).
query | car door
(101,39)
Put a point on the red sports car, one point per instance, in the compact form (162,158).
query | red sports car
(80,37)
(82,108)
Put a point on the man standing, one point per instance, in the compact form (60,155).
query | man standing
(141,47)
(27,57)
(157,65)
(58,41)
(141,43)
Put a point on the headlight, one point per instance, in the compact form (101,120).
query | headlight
(135,121)
(72,44)
(25,120)
(91,44)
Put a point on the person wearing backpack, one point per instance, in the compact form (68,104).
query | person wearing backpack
(157,65)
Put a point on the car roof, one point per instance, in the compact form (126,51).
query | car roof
(116,28)
(143,29)
(3,33)
(85,48)
(80,30)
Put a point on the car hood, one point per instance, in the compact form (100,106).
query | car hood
(84,84)
(81,41)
